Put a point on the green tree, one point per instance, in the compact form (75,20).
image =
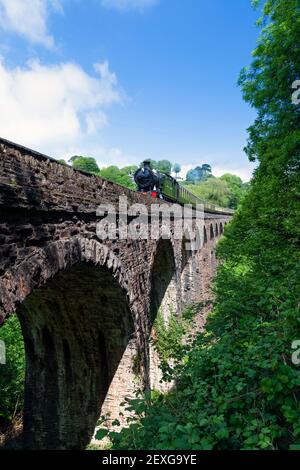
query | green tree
(87,164)
(232,180)
(176,168)
(195,175)
(165,166)
(207,171)
(200,173)
(237,189)
(130,169)
(114,174)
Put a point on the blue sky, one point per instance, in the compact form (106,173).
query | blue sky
(122,80)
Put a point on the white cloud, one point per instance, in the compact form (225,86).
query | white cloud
(28,18)
(57,108)
(124,5)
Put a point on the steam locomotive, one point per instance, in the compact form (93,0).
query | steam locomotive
(163,186)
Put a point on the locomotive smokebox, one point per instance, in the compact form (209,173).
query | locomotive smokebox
(145,179)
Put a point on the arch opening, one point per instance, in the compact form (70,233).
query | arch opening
(204,236)
(163,282)
(188,272)
(163,302)
(76,329)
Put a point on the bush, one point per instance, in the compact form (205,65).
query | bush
(13,372)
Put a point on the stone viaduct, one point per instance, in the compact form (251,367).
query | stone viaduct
(85,306)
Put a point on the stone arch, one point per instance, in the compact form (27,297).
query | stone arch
(35,270)
(212,235)
(76,321)
(221,228)
(164,277)
(217,230)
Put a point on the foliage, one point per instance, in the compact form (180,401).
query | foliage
(87,164)
(130,169)
(176,168)
(220,405)
(119,176)
(123,176)
(213,190)
(161,165)
(200,173)
(226,191)
(94,447)
(12,373)
(168,338)
(206,170)
(236,187)
(165,166)
(238,388)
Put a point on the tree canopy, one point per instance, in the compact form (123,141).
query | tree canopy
(200,173)
(87,164)
(164,166)
(121,176)
(176,168)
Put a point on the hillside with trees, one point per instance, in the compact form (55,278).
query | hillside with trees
(226,191)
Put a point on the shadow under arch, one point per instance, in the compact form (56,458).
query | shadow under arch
(204,236)
(188,269)
(163,281)
(186,252)
(76,328)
